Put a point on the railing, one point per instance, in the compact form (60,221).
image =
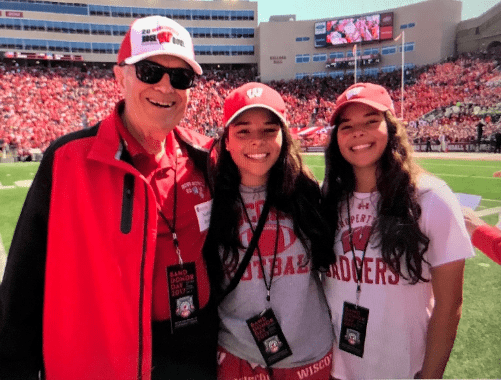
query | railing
(456,147)
(422,147)
(13,156)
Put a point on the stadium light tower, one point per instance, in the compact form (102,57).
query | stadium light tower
(402,78)
(354,53)
(401,35)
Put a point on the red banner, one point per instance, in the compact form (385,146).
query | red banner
(14,14)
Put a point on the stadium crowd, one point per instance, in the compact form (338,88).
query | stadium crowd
(443,101)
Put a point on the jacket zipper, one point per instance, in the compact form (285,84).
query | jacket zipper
(142,287)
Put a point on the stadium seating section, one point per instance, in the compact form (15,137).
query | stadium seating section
(39,104)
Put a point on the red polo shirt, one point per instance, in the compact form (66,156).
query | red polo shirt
(173,168)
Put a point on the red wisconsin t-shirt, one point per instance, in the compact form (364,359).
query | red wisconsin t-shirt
(173,168)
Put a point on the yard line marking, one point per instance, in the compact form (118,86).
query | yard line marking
(436,174)
(6,187)
(3,259)
(488,211)
(464,176)
(25,183)
(442,163)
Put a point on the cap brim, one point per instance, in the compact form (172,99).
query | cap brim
(368,102)
(194,65)
(238,113)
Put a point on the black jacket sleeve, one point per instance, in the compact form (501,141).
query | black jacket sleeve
(22,287)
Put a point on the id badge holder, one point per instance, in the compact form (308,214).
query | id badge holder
(353,330)
(183,295)
(269,337)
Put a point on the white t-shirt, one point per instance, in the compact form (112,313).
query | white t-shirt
(398,311)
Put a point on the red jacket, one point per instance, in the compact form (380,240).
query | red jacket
(487,239)
(92,217)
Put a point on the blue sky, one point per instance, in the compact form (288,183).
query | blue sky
(316,9)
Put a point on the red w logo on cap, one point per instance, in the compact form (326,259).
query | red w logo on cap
(164,37)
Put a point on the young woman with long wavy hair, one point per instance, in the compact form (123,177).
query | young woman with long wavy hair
(275,322)
(395,292)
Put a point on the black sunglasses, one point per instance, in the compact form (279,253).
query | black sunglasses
(151,73)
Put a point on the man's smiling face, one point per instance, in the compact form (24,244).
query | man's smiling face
(156,107)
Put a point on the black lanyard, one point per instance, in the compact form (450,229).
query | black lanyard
(269,285)
(249,252)
(359,271)
(172,227)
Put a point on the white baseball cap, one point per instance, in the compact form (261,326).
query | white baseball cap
(157,35)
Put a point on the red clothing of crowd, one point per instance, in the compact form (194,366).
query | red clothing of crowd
(39,104)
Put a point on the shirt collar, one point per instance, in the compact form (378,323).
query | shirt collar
(136,150)
(131,144)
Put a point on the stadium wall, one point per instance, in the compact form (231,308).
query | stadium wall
(480,33)
(430,32)
(433,32)
(215,48)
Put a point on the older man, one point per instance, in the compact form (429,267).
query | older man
(105,278)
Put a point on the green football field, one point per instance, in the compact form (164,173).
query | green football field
(476,353)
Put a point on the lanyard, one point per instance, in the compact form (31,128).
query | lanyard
(359,271)
(268,286)
(172,227)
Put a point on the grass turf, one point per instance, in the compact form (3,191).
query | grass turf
(12,199)
(477,349)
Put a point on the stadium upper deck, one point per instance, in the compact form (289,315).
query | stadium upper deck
(227,35)
(223,32)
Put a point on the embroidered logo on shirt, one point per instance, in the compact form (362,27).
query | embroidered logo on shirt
(195,188)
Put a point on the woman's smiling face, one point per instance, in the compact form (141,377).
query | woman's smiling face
(254,141)
(362,135)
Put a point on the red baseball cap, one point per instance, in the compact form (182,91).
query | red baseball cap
(157,35)
(253,95)
(371,94)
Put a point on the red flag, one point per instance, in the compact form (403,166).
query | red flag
(354,49)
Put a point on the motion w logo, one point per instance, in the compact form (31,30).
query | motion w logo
(254,92)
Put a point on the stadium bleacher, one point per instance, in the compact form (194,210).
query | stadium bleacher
(39,104)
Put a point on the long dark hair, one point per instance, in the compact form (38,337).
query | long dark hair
(396,227)
(291,189)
